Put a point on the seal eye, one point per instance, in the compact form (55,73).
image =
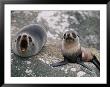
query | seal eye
(30,39)
(19,38)
(64,36)
(74,35)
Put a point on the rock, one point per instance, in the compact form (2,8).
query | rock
(39,65)
(73,69)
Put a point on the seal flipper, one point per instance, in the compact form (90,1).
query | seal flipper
(60,63)
(96,62)
(82,63)
(79,61)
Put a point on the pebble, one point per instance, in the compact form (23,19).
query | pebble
(47,62)
(62,68)
(80,73)
(66,71)
(28,62)
(28,71)
(73,69)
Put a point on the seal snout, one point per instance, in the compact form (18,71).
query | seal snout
(24,43)
(69,36)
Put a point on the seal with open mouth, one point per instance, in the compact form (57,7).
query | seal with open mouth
(29,40)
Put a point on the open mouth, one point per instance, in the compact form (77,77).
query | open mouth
(24,44)
(69,38)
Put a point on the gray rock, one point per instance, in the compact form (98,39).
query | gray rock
(38,66)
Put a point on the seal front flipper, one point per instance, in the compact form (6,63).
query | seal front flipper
(60,63)
(79,61)
(96,62)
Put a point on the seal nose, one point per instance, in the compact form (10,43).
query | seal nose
(68,35)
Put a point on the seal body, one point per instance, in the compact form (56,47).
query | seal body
(73,52)
(29,40)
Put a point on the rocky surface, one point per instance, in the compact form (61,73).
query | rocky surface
(86,23)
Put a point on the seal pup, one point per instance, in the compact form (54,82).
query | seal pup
(29,40)
(74,53)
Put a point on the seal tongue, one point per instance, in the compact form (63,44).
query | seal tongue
(23,50)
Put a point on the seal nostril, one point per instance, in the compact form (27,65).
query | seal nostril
(24,36)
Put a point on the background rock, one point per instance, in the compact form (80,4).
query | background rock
(86,23)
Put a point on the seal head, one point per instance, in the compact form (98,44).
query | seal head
(29,41)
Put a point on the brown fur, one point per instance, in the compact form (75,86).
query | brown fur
(70,47)
(86,54)
(73,52)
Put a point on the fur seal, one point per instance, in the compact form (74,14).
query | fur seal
(73,52)
(29,40)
